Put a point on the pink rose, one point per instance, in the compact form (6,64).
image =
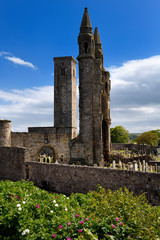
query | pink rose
(113,226)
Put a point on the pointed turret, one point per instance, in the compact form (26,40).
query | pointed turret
(86,22)
(86,37)
(96,36)
(98,45)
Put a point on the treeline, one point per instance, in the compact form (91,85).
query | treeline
(120,135)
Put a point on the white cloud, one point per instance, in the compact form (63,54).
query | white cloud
(4,53)
(135,102)
(17,60)
(28,107)
(142,69)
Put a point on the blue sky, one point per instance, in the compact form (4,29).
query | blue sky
(33,32)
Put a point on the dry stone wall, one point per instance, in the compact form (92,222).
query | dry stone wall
(67,179)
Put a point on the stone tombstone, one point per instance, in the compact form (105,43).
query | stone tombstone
(135,166)
(120,164)
(140,167)
(144,166)
(147,167)
(128,166)
(114,164)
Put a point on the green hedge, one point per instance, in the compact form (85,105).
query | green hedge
(27,212)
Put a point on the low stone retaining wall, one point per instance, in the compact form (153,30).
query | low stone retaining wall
(67,179)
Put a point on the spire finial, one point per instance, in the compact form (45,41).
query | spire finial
(96,36)
(86,22)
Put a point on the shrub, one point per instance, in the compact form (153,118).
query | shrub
(27,212)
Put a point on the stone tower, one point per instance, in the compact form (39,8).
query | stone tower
(93,143)
(5,133)
(65,103)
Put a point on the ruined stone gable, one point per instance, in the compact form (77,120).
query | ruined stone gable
(92,145)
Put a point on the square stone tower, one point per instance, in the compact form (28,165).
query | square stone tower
(65,97)
(93,143)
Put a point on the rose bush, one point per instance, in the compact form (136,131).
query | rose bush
(27,212)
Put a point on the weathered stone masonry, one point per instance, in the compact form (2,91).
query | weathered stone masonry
(36,139)
(19,151)
(12,163)
(92,146)
(67,179)
(93,143)
(65,98)
(5,133)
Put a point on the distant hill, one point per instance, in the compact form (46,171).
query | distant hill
(133,136)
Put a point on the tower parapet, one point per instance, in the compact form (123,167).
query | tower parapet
(5,133)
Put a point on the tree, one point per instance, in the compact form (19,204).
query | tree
(157,132)
(119,135)
(149,138)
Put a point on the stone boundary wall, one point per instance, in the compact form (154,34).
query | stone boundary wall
(134,147)
(12,163)
(67,179)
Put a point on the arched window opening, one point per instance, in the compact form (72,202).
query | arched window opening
(47,155)
(62,71)
(86,47)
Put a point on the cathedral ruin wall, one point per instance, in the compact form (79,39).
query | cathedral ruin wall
(38,138)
